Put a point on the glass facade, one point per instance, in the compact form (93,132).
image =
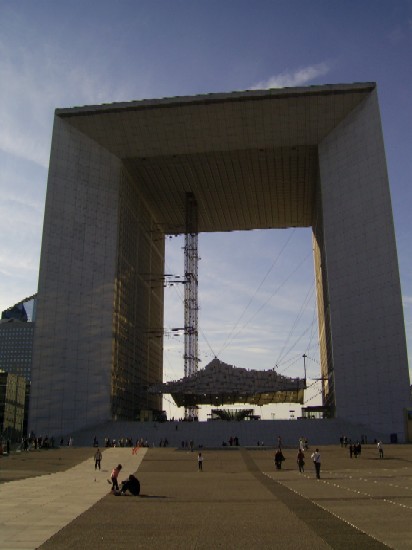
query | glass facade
(16,347)
(137,361)
(18,312)
(12,405)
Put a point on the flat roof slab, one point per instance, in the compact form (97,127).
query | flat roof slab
(250,158)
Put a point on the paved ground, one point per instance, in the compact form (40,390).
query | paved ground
(238,501)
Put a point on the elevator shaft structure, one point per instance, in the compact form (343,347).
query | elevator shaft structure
(191,303)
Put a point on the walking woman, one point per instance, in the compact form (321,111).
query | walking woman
(300,459)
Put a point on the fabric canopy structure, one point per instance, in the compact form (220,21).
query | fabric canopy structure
(221,384)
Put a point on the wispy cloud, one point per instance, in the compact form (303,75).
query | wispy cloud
(300,77)
(34,83)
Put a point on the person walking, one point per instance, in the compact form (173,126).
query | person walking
(114,476)
(380,449)
(279,458)
(97,459)
(300,459)
(200,462)
(316,461)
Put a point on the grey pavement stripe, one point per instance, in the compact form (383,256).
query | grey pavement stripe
(34,509)
(339,534)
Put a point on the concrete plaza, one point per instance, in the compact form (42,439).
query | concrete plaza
(55,500)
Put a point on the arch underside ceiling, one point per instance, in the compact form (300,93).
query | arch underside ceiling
(250,158)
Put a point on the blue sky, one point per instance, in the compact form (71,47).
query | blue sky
(63,54)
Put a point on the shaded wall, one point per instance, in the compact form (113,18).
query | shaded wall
(138,315)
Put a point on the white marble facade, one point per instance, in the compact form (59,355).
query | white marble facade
(246,153)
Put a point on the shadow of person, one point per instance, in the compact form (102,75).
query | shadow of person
(153,496)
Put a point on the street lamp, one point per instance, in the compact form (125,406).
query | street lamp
(304,365)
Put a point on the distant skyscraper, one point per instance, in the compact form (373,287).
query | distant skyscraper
(22,311)
(16,337)
(18,312)
(16,355)
(16,347)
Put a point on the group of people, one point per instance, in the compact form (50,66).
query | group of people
(128,442)
(279,457)
(188,445)
(121,442)
(345,441)
(132,484)
(300,460)
(354,450)
(33,443)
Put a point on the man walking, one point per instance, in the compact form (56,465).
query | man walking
(97,459)
(200,462)
(316,461)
